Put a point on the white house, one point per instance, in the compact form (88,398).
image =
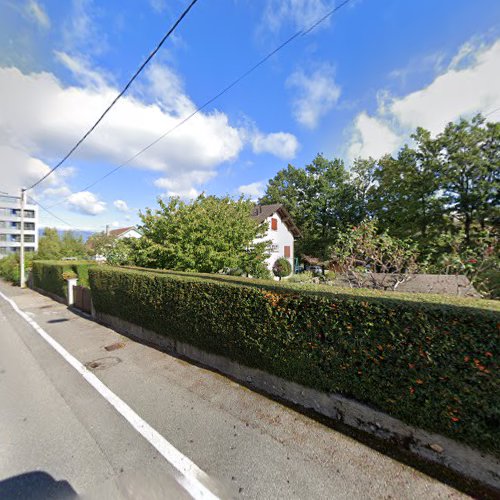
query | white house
(125,232)
(281,231)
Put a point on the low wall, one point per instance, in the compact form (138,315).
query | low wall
(459,458)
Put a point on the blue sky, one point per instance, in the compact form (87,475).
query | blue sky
(355,86)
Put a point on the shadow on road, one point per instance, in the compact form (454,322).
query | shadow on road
(36,485)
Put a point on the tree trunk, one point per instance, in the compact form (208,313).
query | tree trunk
(467,226)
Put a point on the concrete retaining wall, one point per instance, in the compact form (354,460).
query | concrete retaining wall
(432,447)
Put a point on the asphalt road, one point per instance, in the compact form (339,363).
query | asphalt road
(60,437)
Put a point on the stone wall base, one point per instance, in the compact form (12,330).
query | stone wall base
(461,459)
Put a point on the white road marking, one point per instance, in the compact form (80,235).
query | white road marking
(191,475)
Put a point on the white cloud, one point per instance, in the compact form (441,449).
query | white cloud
(121,205)
(372,137)
(81,32)
(301,13)
(18,169)
(469,85)
(36,12)
(182,184)
(40,115)
(317,93)
(254,190)
(82,70)
(158,6)
(86,203)
(280,144)
(43,117)
(460,91)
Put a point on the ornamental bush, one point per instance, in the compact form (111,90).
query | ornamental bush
(282,268)
(427,360)
(48,275)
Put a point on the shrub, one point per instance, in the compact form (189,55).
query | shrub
(282,268)
(426,360)
(50,275)
(9,266)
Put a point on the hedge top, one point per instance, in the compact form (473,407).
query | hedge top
(312,289)
(329,291)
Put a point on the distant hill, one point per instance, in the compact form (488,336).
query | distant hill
(84,234)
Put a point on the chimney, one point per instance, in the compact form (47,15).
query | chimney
(107,229)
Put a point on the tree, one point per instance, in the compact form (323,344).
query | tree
(363,253)
(72,246)
(52,246)
(405,197)
(206,235)
(49,246)
(320,198)
(469,155)
(100,243)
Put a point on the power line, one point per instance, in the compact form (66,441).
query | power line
(302,32)
(491,112)
(115,100)
(51,213)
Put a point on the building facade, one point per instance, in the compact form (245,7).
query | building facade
(281,232)
(10,226)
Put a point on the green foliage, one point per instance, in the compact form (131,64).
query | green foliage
(52,246)
(120,252)
(9,266)
(362,251)
(117,251)
(469,160)
(321,200)
(480,262)
(100,243)
(282,268)
(51,276)
(208,234)
(429,364)
(443,185)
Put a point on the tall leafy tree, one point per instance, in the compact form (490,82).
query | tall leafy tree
(405,197)
(469,156)
(49,245)
(320,198)
(53,246)
(205,235)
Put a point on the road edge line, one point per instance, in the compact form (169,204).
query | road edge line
(191,475)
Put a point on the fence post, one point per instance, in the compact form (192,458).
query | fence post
(71,283)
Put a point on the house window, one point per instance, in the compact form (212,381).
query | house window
(274,224)
(287,251)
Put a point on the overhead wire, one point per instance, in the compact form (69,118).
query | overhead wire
(115,100)
(51,213)
(299,33)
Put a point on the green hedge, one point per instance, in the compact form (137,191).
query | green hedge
(430,364)
(48,275)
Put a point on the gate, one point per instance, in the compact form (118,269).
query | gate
(82,298)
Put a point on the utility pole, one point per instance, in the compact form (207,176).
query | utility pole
(22,281)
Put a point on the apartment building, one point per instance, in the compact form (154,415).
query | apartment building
(10,226)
